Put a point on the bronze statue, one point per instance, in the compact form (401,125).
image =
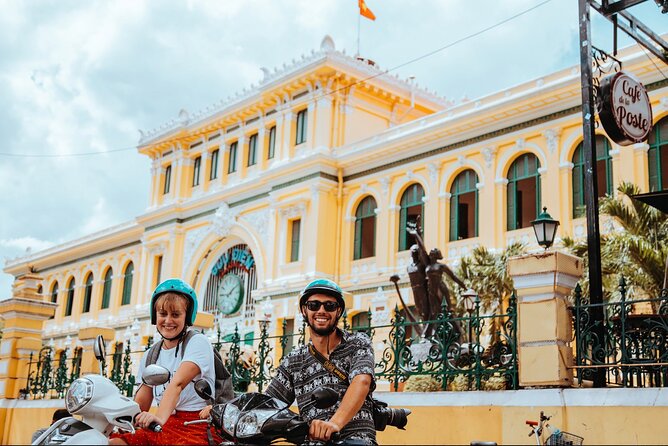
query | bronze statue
(426,277)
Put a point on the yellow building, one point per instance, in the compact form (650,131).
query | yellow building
(316,171)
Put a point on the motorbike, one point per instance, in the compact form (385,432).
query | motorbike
(258,419)
(101,406)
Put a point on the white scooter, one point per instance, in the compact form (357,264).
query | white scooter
(101,406)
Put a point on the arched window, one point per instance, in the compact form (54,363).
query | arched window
(412,206)
(127,284)
(365,229)
(168,180)
(658,156)
(464,206)
(54,293)
(70,297)
(523,193)
(88,293)
(603,174)
(106,289)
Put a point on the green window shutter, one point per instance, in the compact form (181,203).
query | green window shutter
(271,150)
(454,218)
(70,298)
(402,228)
(358,239)
(510,196)
(294,248)
(653,164)
(127,284)
(106,289)
(232,165)
(302,122)
(578,182)
(168,180)
(88,293)
(196,170)
(213,174)
(578,197)
(252,150)
(539,199)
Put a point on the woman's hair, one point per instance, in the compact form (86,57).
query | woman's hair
(170,301)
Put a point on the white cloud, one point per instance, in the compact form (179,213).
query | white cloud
(25,244)
(79,77)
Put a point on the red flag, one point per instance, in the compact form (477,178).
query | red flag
(365,11)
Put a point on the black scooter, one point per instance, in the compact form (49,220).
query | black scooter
(258,419)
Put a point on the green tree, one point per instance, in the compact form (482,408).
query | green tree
(636,249)
(486,272)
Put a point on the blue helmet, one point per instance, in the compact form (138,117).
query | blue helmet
(182,288)
(322,286)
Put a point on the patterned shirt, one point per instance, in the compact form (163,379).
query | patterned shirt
(299,374)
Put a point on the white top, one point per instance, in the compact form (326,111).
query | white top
(199,352)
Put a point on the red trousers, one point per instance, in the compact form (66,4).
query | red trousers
(173,432)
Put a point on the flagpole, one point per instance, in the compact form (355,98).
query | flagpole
(359,19)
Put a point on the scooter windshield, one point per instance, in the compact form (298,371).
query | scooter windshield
(249,401)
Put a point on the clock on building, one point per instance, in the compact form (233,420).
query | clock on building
(230,294)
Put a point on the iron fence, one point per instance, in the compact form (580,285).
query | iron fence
(630,342)
(483,359)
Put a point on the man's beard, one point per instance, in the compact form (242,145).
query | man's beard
(323,331)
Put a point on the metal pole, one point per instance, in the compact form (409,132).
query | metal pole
(590,193)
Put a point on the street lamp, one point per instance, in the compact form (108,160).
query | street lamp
(545,228)
(470,300)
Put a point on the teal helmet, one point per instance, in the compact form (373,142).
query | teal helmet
(180,287)
(322,286)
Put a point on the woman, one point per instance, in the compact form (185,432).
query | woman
(173,310)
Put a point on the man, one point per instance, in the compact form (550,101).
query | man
(300,373)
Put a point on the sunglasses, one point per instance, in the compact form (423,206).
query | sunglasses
(314,305)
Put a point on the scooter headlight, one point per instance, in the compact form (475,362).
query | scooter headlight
(250,423)
(230,417)
(79,394)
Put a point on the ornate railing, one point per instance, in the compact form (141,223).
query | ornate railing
(453,359)
(474,352)
(51,372)
(631,342)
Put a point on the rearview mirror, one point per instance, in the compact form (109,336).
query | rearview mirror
(324,397)
(203,389)
(155,375)
(99,348)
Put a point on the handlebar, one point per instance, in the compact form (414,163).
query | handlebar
(203,420)
(154,426)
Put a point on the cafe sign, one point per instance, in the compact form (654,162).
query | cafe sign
(626,112)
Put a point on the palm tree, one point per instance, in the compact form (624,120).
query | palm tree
(637,250)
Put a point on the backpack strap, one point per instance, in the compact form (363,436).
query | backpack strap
(153,353)
(327,364)
(189,334)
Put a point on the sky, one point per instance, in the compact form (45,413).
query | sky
(78,80)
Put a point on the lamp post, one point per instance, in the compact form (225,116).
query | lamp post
(471,301)
(470,298)
(545,228)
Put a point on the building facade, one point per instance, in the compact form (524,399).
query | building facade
(317,172)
